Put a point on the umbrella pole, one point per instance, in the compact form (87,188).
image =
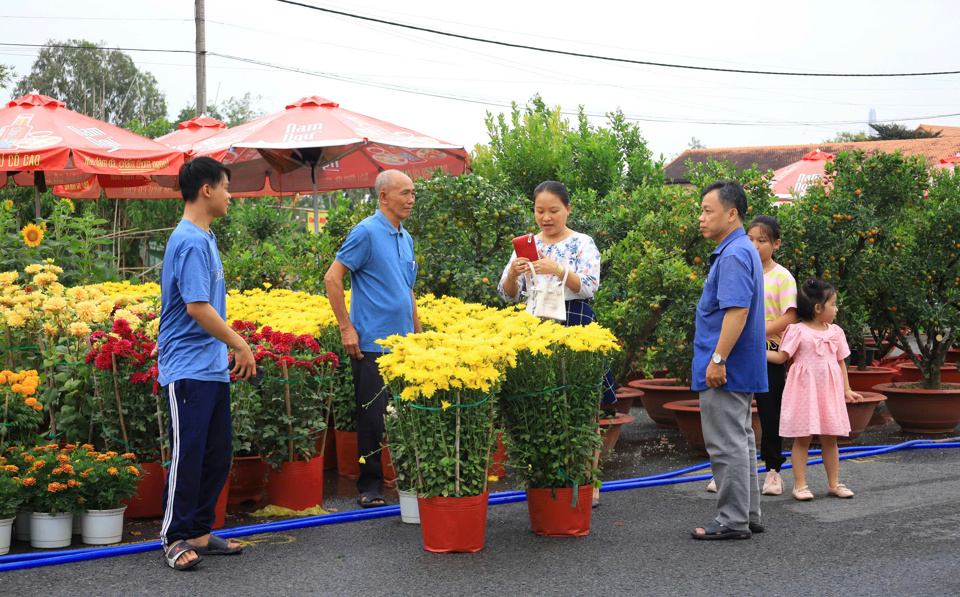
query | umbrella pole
(39,187)
(316,200)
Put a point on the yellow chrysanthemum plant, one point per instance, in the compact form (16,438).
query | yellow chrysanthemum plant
(441,421)
(550,404)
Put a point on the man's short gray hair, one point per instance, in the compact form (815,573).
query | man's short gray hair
(384,180)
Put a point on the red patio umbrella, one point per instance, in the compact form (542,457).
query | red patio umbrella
(315,145)
(183,139)
(948,163)
(796,178)
(41,142)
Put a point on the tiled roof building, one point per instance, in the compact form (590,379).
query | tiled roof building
(778,156)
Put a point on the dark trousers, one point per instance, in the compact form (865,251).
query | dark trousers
(200,451)
(372,398)
(768,407)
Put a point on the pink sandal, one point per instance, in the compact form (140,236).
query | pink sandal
(840,491)
(802,494)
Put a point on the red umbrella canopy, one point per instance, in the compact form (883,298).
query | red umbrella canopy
(38,134)
(948,163)
(799,176)
(344,149)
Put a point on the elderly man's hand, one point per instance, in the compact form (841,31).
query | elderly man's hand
(351,342)
(716,375)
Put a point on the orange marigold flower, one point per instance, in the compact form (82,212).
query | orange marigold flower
(29,481)
(133,471)
(93,454)
(68,448)
(67,468)
(63,458)
(28,458)
(113,470)
(54,487)
(57,471)
(3,459)
(73,483)
(130,455)
(38,407)
(11,468)
(39,464)
(87,447)
(81,500)
(111,454)
(30,401)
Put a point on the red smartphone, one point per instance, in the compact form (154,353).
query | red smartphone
(526,246)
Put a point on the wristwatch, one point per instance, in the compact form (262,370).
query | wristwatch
(719,359)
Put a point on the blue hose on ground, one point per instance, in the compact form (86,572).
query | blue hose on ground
(33,560)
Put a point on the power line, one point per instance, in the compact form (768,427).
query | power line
(66,47)
(608,58)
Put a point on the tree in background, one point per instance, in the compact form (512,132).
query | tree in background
(96,81)
(6,74)
(885,132)
(232,112)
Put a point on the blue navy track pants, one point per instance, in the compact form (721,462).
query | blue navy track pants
(200,451)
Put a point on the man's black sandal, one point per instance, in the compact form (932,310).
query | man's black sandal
(716,531)
(218,546)
(177,549)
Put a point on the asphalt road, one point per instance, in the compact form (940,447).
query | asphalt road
(900,535)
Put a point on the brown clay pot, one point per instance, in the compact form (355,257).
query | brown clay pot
(691,428)
(911,373)
(923,411)
(626,398)
(860,414)
(610,430)
(863,381)
(953,355)
(656,393)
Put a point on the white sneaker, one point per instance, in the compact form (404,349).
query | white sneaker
(712,488)
(773,484)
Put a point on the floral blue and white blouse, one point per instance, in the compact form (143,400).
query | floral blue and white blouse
(578,253)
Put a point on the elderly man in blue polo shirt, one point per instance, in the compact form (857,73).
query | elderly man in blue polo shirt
(378,255)
(729,361)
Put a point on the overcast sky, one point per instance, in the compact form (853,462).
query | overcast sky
(351,61)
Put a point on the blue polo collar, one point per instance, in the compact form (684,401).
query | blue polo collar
(734,234)
(387,224)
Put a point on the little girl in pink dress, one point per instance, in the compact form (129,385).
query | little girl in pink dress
(817,386)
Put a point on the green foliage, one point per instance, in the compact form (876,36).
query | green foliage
(344,399)
(49,478)
(445,451)
(20,419)
(919,286)
(841,233)
(95,81)
(234,111)
(150,129)
(11,495)
(848,137)
(538,144)
(891,131)
(245,407)
(549,409)
(75,245)
(462,228)
(106,480)
(6,74)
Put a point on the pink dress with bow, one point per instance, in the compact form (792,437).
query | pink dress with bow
(813,399)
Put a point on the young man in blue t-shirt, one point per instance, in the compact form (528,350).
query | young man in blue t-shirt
(192,360)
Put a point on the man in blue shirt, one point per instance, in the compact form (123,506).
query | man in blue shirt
(729,361)
(378,255)
(192,347)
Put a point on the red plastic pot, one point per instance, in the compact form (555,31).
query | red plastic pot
(553,515)
(860,414)
(452,524)
(658,392)
(348,460)
(498,459)
(386,465)
(329,451)
(863,381)
(610,430)
(248,480)
(298,485)
(911,373)
(148,503)
(220,514)
(953,355)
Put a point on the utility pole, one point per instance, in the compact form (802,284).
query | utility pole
(201,59)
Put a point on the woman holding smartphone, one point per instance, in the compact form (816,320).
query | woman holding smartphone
(559,251)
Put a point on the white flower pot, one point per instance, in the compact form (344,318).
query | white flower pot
(6,532)
(51,530)
(21,526)
(102,527)
(409,509)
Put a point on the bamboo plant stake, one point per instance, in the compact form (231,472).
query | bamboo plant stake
(456,450)
(3,429)
(286,396)
(116,390)
(486,477)
(164,455)
(326,418)
(10,350)
(49,371)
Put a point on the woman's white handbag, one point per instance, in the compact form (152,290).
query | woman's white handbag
(545,298)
